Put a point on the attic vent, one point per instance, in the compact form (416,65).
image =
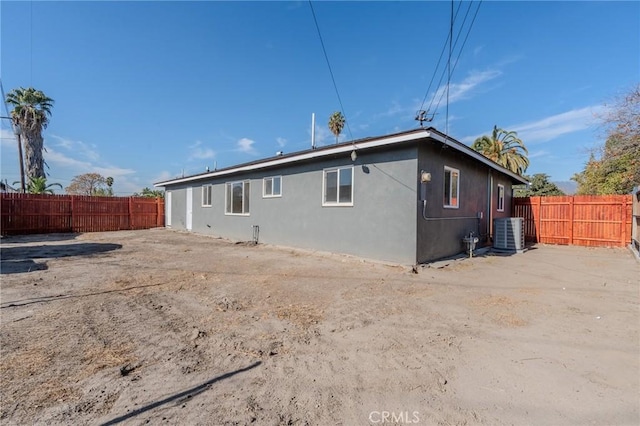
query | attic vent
(509,234)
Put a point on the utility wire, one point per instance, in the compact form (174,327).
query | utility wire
(326,57)
(460,51)
(444,71)
(31,43)
(435,70)
(446,120)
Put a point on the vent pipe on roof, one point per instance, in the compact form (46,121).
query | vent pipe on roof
(313,130)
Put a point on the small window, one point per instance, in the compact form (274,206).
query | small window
(272,187)
(500,198)
(237,196)
(207,190)
(338,187)
(451,187)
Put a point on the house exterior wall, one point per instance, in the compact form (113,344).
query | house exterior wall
(176,207)
(440,230)
(380,225)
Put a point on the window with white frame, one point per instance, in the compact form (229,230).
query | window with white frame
(500,198)
(451,187)
(272,187)
(207,190)
(338,187)
(237,196)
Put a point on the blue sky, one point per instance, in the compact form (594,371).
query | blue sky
(145,91)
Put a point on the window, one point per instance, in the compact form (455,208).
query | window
(338,187)
(500,198)
(272,187)
(237,197)
(451,187)
(206,195)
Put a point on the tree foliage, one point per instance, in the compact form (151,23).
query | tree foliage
(615,167)
(150,193)
(38,185)
(336,124)
(539,185)
(504,148)
(105,192)
(89,184)
(31,111)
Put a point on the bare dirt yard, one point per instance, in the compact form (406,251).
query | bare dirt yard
(162,327)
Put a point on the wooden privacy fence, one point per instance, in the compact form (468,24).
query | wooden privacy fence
(42,214)
(584,220)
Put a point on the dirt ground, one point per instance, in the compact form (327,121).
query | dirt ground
(162,327)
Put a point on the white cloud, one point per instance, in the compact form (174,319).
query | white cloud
(557,125)
(8,139)
(394,109)
(67,158)
(246,145)
(54,157)
(551,127)
(464,90)
(124,181)
(537,154)
(322,134)
(281,142)
(198,152)
(162,176)
(77,147)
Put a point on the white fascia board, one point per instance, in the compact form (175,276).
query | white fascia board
(475,154)
(307,155)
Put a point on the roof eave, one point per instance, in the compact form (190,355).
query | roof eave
(302,156)
(478,156)
(348,147)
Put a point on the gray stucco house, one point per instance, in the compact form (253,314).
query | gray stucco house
(406,198)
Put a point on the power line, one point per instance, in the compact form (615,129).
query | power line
(460,51)
(31,43)
(326,57)
(444,71)
(446,125)
(435,70)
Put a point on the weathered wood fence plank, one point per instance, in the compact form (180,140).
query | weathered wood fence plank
(42,214)
(586,220)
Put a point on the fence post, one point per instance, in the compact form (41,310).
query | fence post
(538,221)
(623,206)
(158,209)
(73,209)
(130,212)
(571,213)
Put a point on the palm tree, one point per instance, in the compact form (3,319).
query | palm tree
(38,185)
(31,111)
(109,181)
(504,148)
(336,124)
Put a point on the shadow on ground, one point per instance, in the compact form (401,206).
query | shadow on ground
(36,238)
(19,259)
(20,266)
(184,395)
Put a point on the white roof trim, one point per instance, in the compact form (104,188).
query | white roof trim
(308,155)
(476,155)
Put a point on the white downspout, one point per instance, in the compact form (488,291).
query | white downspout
(490,208)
